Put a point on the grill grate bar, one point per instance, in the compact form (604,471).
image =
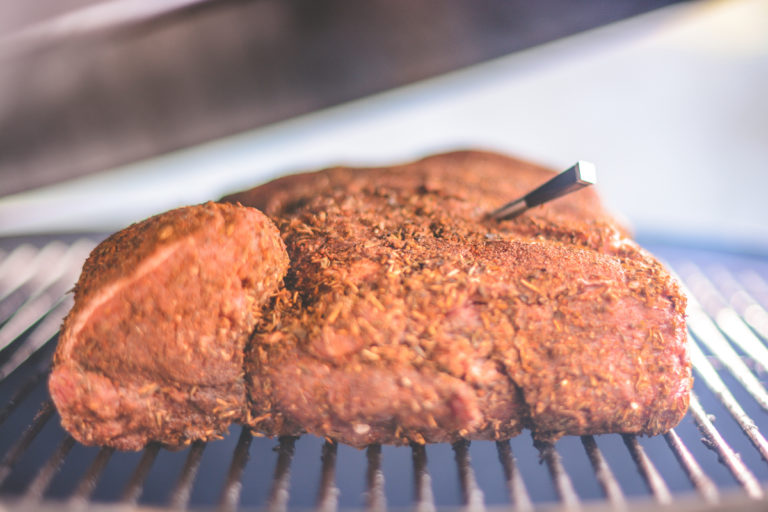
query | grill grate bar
(86,486)
(135,485)
(563,484)
(17,450)
(726,454)
(713,381)
(376,500)
(750,310)
(705,330)
(424,500)
(737,330)
(44,332)
(22,264)
(230,494)
(58,273)
(699,479)
(38,486)
(183,490)
(50,265)
(604,475)
(281,482)
(726,318)
(756,285)
(471,493)
(328,494)
(650,474)
(56,270)
(21,393)
(25,317)
(518,494)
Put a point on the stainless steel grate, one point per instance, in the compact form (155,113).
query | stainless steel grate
(716,459)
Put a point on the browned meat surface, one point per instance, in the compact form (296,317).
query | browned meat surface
(406,315)
(153,347)
(409,316)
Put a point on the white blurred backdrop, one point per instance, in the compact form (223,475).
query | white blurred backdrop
(672,107)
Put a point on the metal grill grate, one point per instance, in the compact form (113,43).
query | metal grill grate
(42,466)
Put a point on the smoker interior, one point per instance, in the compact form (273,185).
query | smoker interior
(716,459)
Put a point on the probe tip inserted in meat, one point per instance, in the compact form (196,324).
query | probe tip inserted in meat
(579,175)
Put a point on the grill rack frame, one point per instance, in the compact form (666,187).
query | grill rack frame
(724,318)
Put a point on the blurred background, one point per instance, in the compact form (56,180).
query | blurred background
(114,110)
(111,111)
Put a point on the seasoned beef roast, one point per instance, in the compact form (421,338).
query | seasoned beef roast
(409,315)
(153,348)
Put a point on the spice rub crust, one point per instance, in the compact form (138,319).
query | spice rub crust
(409,316)
(153,348)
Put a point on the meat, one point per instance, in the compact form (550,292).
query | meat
(408,315)
(153,347)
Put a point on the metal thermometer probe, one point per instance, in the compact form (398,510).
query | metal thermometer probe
(580,175)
